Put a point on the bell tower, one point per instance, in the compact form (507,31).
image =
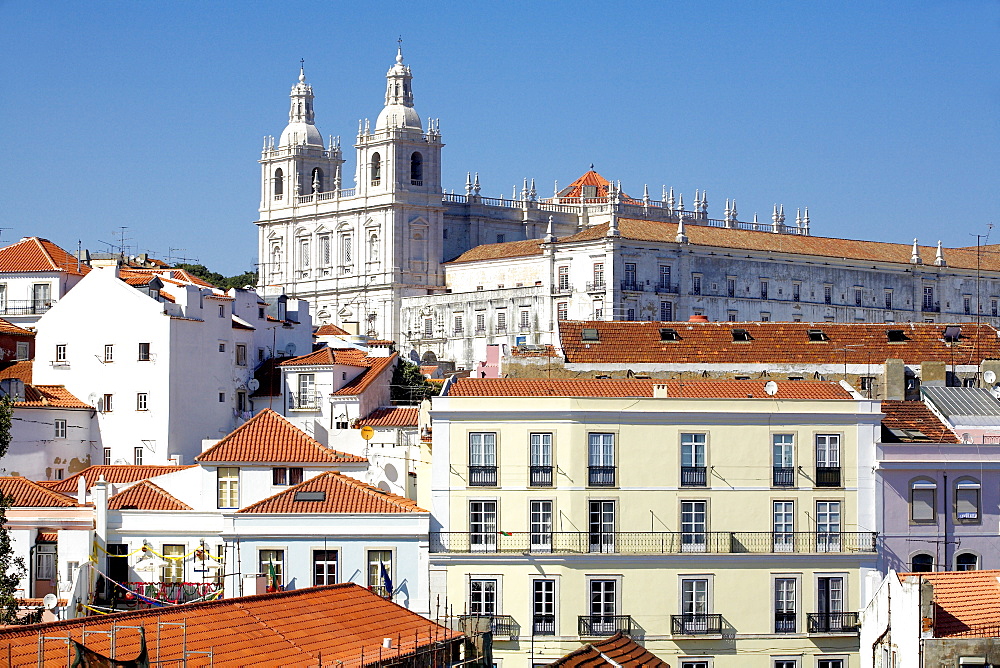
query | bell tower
(300,165)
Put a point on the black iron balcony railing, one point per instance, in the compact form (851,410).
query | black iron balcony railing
(601,476)
(695,624)
(499,625)
(931,307)
(694,476)
(783,476)
(25,306)
(784,622)
(828,476)
(544,625)
(632,286)
(596,286)
(668,287)
(607,625)
(657,542)
(833,622)
(482,476)
(540,476)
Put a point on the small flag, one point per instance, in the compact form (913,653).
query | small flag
(506,533)
(272,577)
(386,580)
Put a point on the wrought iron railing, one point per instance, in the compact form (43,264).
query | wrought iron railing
(596,286)
(784,622)
(601,476)
(833,622)
(544,625)
(668,287)
(828,476)
(499,625)
(696,624)
(632,286)
(25,306)
(482,476)
(607,625)
(783,476)
(540,476)
(658,542)
(694,476)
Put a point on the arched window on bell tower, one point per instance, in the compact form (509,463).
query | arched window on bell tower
(416,169)
(278,183)
(376,169)
(317,180)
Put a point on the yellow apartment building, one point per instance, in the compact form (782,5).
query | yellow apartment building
(720,523)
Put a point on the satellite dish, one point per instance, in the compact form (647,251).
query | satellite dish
(50,601)
(92,399)
(990,377)
(290,349)
(771,388)
(253,385)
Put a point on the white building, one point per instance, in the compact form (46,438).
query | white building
(35,274)
(166,362)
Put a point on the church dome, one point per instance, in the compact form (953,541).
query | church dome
(398,110)
(301,128)
(299,132)
(395,115)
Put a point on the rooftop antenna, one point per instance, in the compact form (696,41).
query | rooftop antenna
(171,256)
(5,228)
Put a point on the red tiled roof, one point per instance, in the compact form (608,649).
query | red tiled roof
(618,650)
(145,496)
(624,342)
(390,416)
(116,473)
(341,494)
(37,254)
(967,603)
(689,389)
(340,623)
(11,328)
(376,367)
(49,396)
(29,494)
(20,370)
(330,330)
(268,437)
(912,416)
(328,356)
(177,276)
(502,250)
(591,178)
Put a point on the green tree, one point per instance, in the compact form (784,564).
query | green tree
(409,385)
(12,567)
(218,280)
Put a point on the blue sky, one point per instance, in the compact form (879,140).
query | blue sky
(883,118)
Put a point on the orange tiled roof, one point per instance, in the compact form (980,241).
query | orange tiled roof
(37,254)
(609,388)
(341,622)
(11,328)
(330,330)
(49,396)
(623,342)
(20,370)
(29,494)
(376,366)
(390,416)
(328,356)
(268,437)
(145,496)
(116,473)
(502,250)
(176,276)
(341,494)
(965,602)
(618,650)
(591,178)
(914,416)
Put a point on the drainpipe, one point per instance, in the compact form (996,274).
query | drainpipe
(947,513)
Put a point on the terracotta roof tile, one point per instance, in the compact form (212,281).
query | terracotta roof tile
(37,254)
(11,328)
(690,389)
(145,496)
(29,494)
(618,650)
(501,251)
(624,342)
(574,191)
(390,416)
(376,367)
(328,356)
(913,416)
(49,396)
(967,603)
(116,473)
(330,330)
(20,370)
(341,494)
(340,623)
(175,276)
(268,437)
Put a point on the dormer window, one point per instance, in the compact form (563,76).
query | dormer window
(952,333)
(589,334)
(817,335)
(669,334)
(741,335)
(895,336)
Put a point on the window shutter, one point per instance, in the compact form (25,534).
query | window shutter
(923,505)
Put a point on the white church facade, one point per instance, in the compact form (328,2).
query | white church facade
(445,275)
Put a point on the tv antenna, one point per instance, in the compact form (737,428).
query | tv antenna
(171,256)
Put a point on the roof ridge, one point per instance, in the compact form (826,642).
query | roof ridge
(156,489)
(62,499)
(388,497)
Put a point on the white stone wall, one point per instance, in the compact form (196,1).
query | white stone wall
(37,454)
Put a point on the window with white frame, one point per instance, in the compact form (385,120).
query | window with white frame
(694,604)
(45,562)
(598,274)
(144,355)
(693,469)
(23,351)
(966,561)
(783,460)
(967,500)
(540,525)
(108,404)
(923,501)
(482,597)
(303,253)
(563,278)
(325,252)
(109,352)
(173,568)
(241,354)
(828,526)
(603,606)
(380,566)
(272,561)
(483,525)
(784,605)
(107,456)
(694,526)
(306,397)
(137,456)
(501,321)
(347,251)
(60,428)
(459,327)
(228,487)
(325,567)
(562,310)
(783,525)
(666,311)
(525,319)
(543,606)
(141,401)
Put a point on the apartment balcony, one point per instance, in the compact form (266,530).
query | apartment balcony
(607,625)
(540,476)
(601,476)
(668,288)
(562,289)
(483,476)
(931,307)
(632,286)
(656,542)
(544,625)
(596,286)
(695,625)
(783,476)
(503,627)
(833,622)
(694,476)
(784,622)
(25,306)
(828,476)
